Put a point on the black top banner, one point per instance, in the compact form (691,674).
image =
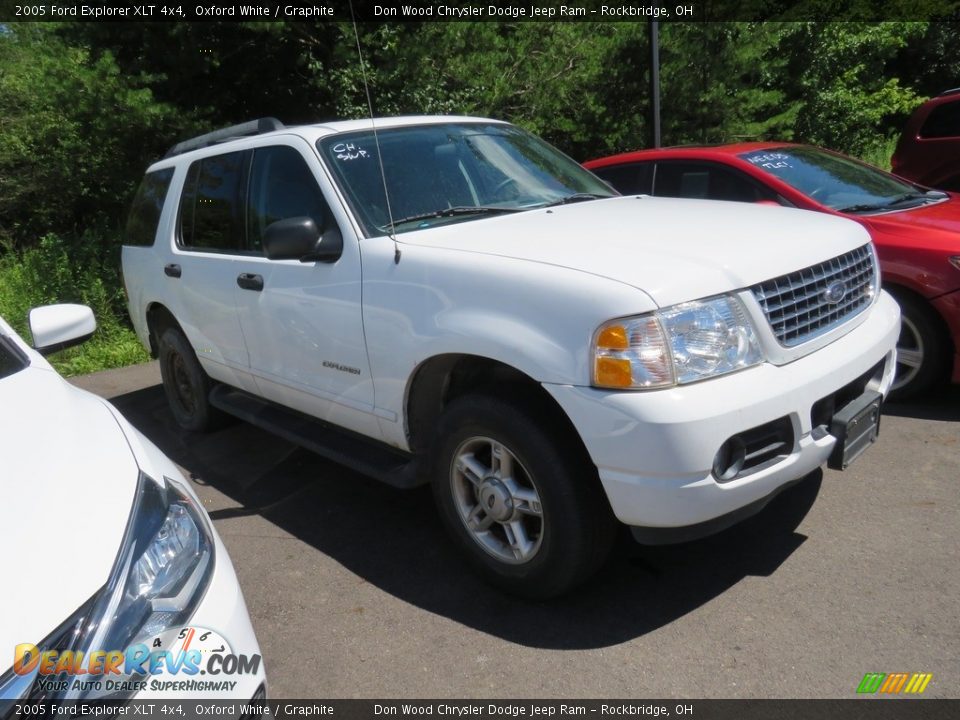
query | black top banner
(476,10)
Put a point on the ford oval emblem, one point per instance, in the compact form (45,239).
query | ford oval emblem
(835,292)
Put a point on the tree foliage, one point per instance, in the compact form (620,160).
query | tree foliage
(85,106)
(74,128)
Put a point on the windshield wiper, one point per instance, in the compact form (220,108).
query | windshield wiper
(892,202)
(453,211)
(575,197)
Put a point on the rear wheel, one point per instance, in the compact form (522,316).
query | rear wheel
(921,349)
(524,507)
(185,383)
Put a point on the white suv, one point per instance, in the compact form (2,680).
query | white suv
(451,300)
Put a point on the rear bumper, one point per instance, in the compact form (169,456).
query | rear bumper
(655,451)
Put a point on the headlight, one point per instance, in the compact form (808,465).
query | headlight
(679,344)
(163,568)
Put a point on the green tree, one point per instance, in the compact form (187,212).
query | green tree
(75,137)
(721,83)
(840,75)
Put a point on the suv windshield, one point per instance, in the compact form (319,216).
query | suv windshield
(438,174)
(11,359)
(839,183)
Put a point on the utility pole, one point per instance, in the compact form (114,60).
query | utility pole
(653,29)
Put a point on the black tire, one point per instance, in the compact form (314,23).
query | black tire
(924,343)
(574,531)
(185,384)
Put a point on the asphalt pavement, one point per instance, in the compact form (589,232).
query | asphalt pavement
(355,591)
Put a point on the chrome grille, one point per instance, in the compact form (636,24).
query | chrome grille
(809,302)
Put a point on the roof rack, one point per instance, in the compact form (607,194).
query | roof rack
(949,92)
(254,127)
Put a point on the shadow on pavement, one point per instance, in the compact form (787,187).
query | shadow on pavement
(393,539)
(941,404)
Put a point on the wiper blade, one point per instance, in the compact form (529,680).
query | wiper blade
(892,202)
(452,211)
(907,197)
(576,197)
(864,207)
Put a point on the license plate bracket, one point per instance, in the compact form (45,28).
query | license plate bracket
(855,426)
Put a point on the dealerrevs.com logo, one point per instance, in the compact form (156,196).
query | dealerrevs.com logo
(172,661)
(894,683)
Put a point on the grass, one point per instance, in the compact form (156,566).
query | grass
(78,271)
(879,154)
(101,352)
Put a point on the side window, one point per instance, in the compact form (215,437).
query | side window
(633,179)
(707,181)
(211,215)
(147,205)
(944,121)
(282,187)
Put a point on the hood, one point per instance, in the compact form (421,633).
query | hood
(68,480)
(936,225)
(674,250)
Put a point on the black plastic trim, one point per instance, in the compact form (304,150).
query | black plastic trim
(369,457)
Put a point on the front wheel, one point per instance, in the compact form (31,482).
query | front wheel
(525,508)
(921,350)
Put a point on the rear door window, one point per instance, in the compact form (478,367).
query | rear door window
(144,215)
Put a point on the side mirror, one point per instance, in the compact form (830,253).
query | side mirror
(298,238)
(57,327)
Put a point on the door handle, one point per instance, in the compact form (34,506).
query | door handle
(249,281)
(172,270)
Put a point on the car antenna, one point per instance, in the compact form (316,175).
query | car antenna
(376,140)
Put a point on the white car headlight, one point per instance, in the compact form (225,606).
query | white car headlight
(677,345)
(162,570)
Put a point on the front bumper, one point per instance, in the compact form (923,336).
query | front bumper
(655,450)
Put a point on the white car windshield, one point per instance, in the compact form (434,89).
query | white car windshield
(11,359)
(442,173)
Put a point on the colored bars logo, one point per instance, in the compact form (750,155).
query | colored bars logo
(894,683)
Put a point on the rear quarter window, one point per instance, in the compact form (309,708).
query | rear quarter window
(943,122)
(141,229)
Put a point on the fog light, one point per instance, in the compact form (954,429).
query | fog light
(729,459)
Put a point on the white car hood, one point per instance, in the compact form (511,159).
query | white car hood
(674,250)
(68,479)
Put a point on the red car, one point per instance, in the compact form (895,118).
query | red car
(929,148)
(916,230)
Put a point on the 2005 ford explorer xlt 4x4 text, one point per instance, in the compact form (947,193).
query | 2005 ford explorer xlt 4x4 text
(451,300)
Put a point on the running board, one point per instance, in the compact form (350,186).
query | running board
(369,457)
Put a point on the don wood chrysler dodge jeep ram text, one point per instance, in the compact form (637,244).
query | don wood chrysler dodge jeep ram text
(451,300)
